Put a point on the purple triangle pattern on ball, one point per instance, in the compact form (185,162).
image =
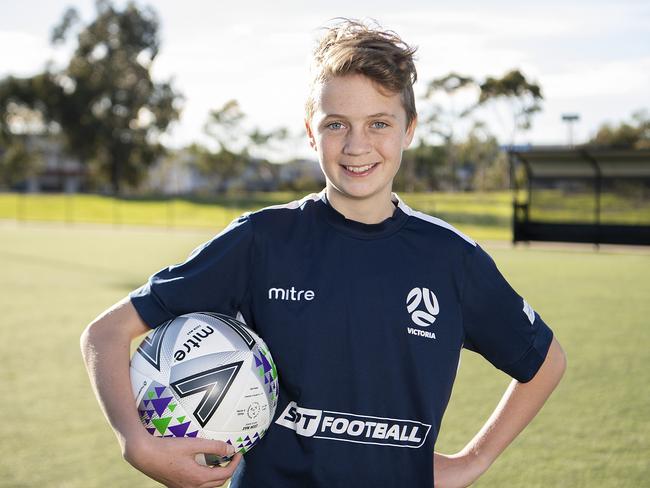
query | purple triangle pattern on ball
(245,444)
(160,415)
(160,404)
(179,430)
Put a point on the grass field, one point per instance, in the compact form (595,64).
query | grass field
(594,432)
(484,215)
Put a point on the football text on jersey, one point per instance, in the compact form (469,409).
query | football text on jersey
(350,427)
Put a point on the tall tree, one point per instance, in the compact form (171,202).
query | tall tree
(444,116)
(522,96)
(104,102)
(238,148)
(224,125)
(455,102)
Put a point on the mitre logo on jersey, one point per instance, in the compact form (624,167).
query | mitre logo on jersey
(290,294)
(422,305)
(350,427)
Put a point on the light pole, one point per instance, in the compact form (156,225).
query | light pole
(570,119)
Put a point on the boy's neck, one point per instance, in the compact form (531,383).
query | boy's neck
(367,211)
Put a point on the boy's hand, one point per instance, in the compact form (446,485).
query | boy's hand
(456,470)
(172,463)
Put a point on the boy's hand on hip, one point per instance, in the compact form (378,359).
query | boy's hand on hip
(171,461)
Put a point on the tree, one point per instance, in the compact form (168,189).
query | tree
(17,163)
(633,134)
(522,96)
(421,165)
(104,102)
(445,117)
(224,125)
(485,163)
(238,148)
(260,141)
(454,103)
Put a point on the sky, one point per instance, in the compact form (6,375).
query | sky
(590,57)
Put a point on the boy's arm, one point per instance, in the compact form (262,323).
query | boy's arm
(105,345)
(518,406)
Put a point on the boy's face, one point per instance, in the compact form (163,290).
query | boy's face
(359,133)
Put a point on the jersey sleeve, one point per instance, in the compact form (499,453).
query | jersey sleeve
(498,323)
(214,278)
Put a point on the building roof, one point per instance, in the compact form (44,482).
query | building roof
(583,161)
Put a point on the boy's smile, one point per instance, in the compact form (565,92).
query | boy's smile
(359,132)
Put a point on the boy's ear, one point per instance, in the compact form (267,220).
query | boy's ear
(310,135)
(410,131)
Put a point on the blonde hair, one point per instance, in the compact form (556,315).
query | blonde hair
(353,47)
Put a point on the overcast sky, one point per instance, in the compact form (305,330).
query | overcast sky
(590,57)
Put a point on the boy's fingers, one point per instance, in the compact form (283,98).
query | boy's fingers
(209,446)
(232,466)
(217,476)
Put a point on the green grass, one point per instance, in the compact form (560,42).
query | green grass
(55,280)
(595,430)
(159,212)
(485,216)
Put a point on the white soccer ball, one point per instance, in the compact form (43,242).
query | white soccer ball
(205,375)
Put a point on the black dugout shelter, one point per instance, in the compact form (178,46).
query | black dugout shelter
(581,194)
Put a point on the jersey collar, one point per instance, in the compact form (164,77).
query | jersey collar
(359,229)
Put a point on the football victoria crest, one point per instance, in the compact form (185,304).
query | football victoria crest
(419,299)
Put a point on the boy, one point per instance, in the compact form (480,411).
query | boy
(367,355)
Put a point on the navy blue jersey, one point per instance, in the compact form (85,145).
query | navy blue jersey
(365,322)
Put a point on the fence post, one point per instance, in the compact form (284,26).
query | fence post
(20,206)
(68,205)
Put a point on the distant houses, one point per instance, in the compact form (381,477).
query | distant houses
(49,168)
(177,173)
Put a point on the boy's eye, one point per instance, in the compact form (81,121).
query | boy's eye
(379,125)
(334,125)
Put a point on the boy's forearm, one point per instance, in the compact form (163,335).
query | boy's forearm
(518,406)
(105,345)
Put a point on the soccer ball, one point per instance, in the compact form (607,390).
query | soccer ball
(205,375)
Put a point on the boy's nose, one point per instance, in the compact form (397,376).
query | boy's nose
(357,143)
